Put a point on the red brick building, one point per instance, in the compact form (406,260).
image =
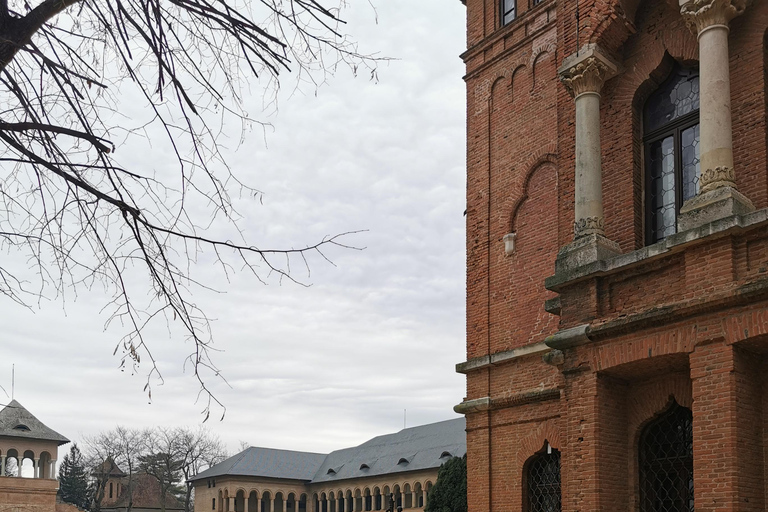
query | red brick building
(617,255)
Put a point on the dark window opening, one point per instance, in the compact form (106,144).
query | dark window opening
(543,482)
(213,504)
(508,11)
(21,427)
(110,489)
(671,125)
(665,455)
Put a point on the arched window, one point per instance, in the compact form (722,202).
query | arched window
(665,454)
(671,127)
(543,482)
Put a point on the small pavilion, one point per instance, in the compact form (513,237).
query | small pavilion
(28,453)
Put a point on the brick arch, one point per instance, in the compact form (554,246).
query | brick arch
(544,155)
(519,72)
(256,491)
(483,91)
(612,25)
(645,75)
(537,57)
(655,399)
(534,441)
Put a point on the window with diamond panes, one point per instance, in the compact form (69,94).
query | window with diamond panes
(665,454)
(671,125)
(543,482)
(508,11)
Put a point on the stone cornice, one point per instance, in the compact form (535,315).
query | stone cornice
(479,363)
(702,14)
(489,404)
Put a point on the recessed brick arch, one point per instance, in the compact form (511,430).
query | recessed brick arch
(545,432)
(520,73)
(543,155)
(536,62)
(654,398)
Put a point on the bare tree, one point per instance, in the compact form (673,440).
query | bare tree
(116,452)
(78,217)
(199,450)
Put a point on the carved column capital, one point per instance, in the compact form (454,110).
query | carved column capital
(702,14)
(587,70)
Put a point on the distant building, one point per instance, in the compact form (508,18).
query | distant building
(145,496)
(355,479)
(27,447)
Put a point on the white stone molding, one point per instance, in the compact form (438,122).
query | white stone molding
(509,243)
(702,14)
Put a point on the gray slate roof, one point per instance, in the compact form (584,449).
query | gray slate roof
(421,446)
(14,416)
(267,462)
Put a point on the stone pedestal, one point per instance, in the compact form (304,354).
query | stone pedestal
(583,251)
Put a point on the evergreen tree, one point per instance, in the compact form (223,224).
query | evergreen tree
(449,494)
(73,480)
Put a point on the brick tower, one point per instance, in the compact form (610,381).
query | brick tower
(617,255)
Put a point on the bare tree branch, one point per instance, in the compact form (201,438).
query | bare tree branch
(80,217)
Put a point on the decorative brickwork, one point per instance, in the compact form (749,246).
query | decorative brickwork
(682,321)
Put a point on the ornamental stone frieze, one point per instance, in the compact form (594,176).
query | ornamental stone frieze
(702,14)
(720,176)
(588,226)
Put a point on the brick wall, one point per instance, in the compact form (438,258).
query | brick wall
(689,325)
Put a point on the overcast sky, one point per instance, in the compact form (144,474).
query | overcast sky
(308,368)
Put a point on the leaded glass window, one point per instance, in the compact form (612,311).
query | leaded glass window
(543,482)
(671,124)
(665,455)
(508,11)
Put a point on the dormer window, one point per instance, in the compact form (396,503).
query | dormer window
(445,454)
(331,471)
(403,460)
(21,427)
(364,466)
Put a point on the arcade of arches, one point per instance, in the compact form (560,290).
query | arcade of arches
(28,459)
(347,496)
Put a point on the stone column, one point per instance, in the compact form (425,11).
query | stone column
(36,473)
(717,196)
(583,75)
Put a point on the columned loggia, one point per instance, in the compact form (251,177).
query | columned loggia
(717,197)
